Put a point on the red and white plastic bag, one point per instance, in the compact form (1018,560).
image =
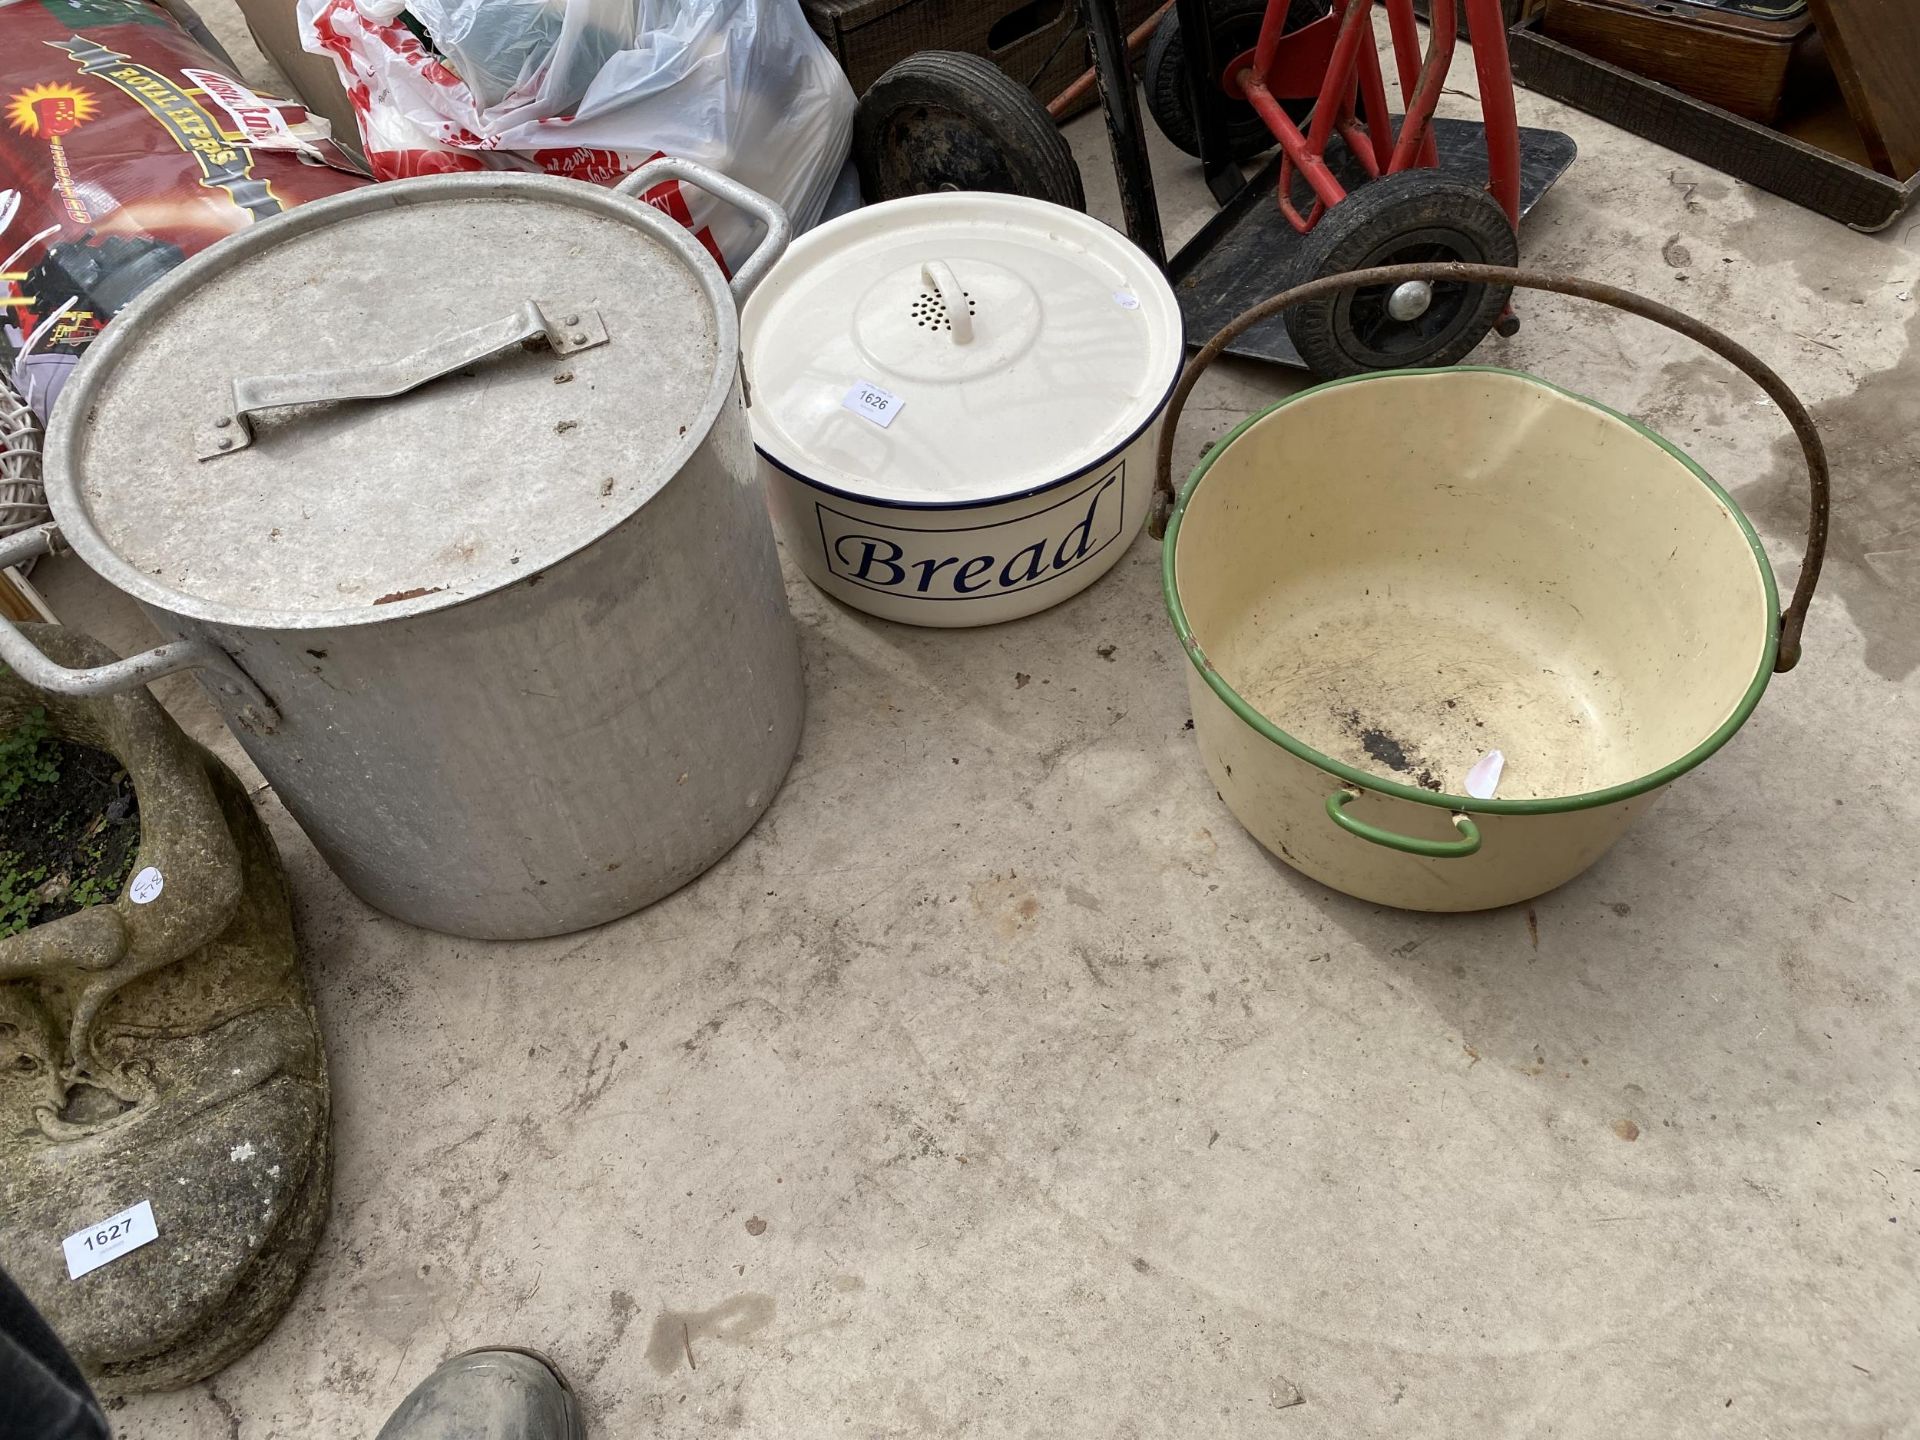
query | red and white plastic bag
(593,89)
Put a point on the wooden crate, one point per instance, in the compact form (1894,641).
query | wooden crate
(1804,173)
(1738,62)
(1037,42)
(1875,49)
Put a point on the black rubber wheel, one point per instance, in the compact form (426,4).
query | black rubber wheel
(940,120)
(1404,219)
(1236,29)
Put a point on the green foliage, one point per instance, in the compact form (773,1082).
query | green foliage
(17,902)
(94,891)
(55,800)
(27,756)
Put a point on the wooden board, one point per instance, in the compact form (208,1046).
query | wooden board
(19,600)
(1806,175)
(1874,47)
(1818,115)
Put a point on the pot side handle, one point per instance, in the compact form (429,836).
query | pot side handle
(21,656)
(1792,619)
(1467,844)
(778,229)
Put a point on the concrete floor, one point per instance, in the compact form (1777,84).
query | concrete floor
(999,1085)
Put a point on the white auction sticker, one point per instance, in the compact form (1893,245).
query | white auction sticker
(146,886)
(89,1249)
(1126,300)
(868,400)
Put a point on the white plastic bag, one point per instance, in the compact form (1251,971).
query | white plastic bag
(595,88)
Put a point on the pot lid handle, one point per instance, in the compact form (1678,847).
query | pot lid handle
(568,329)
(938,277)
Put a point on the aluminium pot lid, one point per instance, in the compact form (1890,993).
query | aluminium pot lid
(957,348)
(580,345)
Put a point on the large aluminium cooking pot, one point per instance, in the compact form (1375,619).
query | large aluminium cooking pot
(444,486)
(1382,580)
(955,399)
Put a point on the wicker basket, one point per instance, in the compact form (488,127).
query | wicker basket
(23,499)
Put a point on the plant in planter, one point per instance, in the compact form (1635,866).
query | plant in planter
(72,825)
(157,1040)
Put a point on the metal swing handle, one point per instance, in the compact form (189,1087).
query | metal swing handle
(23,657)
(1792,619)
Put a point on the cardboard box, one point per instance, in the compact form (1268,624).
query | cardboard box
(275,29)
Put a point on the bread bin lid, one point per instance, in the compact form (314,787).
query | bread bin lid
(957,349)
(549,353)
